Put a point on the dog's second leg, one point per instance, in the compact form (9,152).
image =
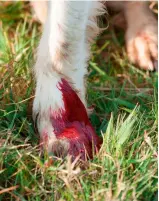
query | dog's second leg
(141,36)
(59,105)
(40,10)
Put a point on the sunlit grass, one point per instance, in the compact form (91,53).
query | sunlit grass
(125,114)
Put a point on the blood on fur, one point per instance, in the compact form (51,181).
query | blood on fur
(72,123)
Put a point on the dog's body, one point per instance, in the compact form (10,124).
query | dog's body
(61,66)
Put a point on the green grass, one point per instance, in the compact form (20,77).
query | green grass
(126,166)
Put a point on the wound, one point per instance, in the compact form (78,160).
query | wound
(72,122)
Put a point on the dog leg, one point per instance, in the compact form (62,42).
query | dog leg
(40,10)
(141,35)
(59,105)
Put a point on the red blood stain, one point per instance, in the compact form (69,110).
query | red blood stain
(72,123)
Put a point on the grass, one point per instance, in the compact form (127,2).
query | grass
(126,167)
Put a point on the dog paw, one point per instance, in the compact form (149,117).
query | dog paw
(63,122)
(142,42)
(81,139)
(60,138)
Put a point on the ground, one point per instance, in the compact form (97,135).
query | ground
(125,114)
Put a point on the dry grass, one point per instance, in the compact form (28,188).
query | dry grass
(126,167)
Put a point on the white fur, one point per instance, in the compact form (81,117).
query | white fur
(63,52)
